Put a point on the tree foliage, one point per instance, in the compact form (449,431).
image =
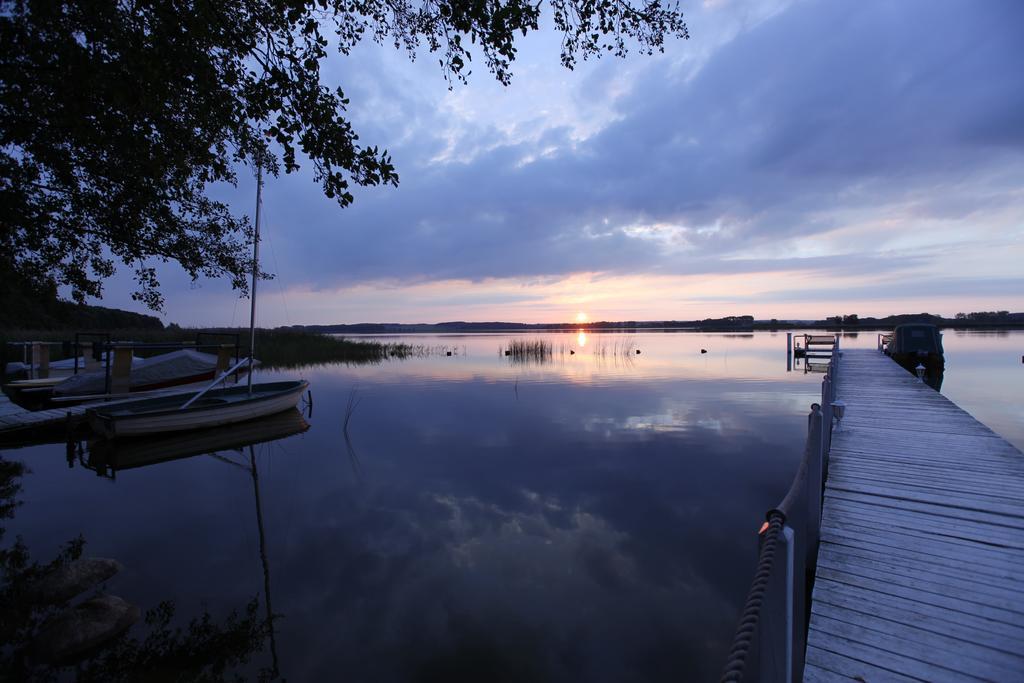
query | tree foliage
(117,117)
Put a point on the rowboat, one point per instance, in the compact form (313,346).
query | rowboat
(210,407)
(195,410)
(108,456)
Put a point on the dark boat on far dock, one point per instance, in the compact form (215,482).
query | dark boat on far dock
(915,345)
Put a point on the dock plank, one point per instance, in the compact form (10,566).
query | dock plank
(990,634)
(920,571)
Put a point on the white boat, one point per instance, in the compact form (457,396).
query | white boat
(60,368)
(186,366)
(211,409)
(110,456)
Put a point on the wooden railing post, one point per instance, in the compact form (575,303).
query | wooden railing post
(782,631)
(796,583)
(815,482)
(773,637)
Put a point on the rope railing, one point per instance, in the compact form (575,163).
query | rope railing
(771,636)
(744,640)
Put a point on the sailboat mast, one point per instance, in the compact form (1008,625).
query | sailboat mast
(255,271)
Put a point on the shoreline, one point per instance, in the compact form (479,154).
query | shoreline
(372,329)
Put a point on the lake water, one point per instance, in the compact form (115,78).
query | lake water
(588,518)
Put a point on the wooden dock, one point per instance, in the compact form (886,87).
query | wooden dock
(19,427)
(22,427)
(920,573)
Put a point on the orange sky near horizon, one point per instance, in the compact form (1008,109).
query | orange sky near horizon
(599,298)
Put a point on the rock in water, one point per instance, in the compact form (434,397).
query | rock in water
(83,627)
(76,577)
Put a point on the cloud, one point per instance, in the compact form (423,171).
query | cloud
(877,136)
(819,110)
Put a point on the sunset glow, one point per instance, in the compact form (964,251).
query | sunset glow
(581,317)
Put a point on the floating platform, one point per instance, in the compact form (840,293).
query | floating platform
(920,572)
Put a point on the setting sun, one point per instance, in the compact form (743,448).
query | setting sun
(581,317)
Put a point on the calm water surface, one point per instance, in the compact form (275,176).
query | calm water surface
(591,518)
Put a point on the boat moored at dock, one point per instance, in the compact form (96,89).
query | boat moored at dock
(918,349)
(107,457)
(181,412)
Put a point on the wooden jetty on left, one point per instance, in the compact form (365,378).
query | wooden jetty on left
(21,427)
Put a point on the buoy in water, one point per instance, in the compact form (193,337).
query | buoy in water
(703,350)
(571,352)
(449,353)
(638,352)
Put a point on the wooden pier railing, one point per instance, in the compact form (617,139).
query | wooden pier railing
(771,637)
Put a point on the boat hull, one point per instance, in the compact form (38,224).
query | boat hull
(107,457)
(210,411)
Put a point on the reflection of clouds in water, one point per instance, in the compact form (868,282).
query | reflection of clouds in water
(526,545)
(577,533)
(674,417)
(544,589)
(713,424)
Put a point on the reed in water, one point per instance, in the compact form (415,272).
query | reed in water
(532,350)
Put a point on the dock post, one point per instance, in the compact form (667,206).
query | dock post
(796,587)
(223,359)
(789,352)
(771,632)
(89,354)
(120,374)
(815,482)
(781,627)
(41,359)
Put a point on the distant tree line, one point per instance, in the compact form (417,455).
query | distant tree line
(985,316)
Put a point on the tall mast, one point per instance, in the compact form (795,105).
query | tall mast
(255,270)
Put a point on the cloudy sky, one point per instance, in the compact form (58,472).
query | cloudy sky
(792,159)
